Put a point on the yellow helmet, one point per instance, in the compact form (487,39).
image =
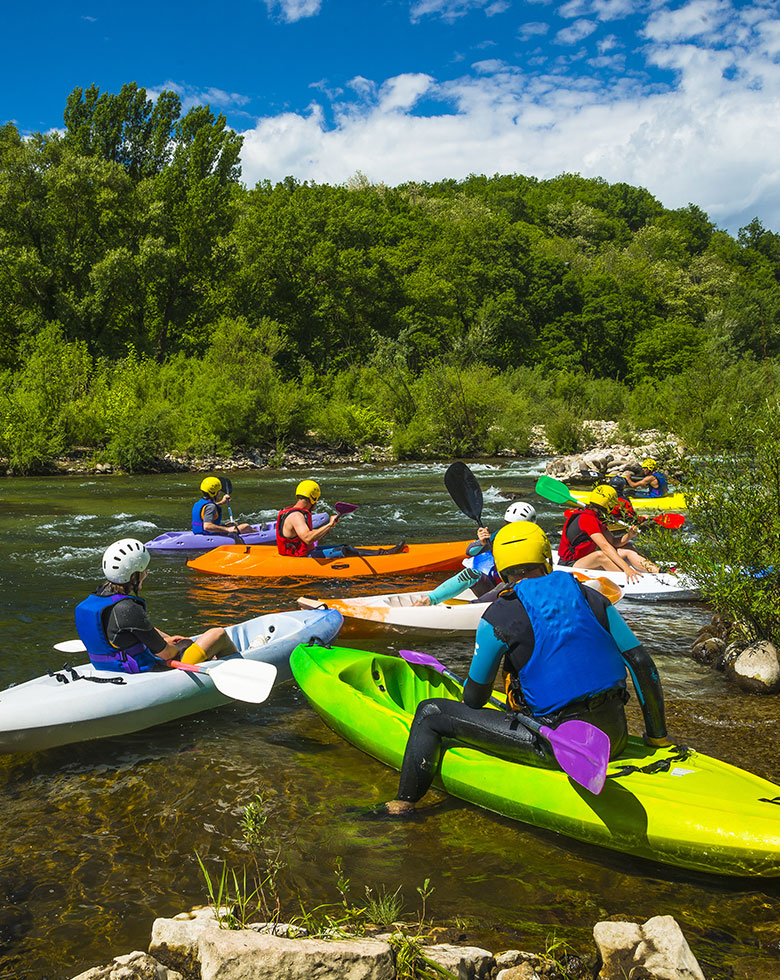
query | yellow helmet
(308,489)
(649,463)
(604,496)
(211,486)
(521,543)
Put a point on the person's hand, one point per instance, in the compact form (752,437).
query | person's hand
(663,741)
(483,534)
(176,639)
(422,600)
(632,575)
(334,520)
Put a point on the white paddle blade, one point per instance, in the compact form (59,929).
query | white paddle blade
(70,646)
(243,680)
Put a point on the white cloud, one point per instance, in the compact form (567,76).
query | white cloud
(292,10)
(696,19)
(192,96)
(579,30)
(712,136)
(450,10)
(534,28)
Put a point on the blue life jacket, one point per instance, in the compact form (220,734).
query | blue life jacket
(663,486)
(574,657)
(197,515)
(103,654)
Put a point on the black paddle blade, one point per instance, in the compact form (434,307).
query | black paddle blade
(227,486)
(465,490)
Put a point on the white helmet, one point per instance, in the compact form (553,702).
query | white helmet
(519,511)
(122,558)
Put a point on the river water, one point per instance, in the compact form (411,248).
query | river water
(99,838)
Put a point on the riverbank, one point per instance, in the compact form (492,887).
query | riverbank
(602,441)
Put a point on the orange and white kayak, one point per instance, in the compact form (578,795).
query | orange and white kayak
(460,614)
(263,561)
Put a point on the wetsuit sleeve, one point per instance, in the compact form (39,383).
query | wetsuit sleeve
(644,674)
(476,547)
(489,650)
(454,586)
(128,624)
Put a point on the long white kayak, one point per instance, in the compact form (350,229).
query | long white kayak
(663,587)
(461,614)
(69,707)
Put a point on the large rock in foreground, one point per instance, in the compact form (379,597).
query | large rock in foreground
(657,949)
(195,938)
(757,668)
(133,966)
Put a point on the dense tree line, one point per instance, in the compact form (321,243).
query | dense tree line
(448,316)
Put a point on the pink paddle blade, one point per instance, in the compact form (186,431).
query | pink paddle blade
(342,508)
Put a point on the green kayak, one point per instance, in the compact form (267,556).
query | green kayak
(691,810)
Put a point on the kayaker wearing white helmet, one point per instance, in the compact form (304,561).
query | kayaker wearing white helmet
(207,511)
(113,625)
(587,542)
(565,649)
(479,572)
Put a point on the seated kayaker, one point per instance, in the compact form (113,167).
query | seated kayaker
(295,535)
(113,624)
(587,542)
(564,650)
(207,512)
(652,483)
(479,571)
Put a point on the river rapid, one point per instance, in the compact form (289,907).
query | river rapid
(100,838)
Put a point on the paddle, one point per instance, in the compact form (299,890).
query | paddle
(242,680)
(227,486)
(465,490)
(580,749)
(341,508)
(557,492)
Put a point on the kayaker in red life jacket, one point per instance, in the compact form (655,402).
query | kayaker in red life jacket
(207,512)
(587,542)
(565,650)
(294,533)
(113,624)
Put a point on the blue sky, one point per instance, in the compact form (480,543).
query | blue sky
(680,97)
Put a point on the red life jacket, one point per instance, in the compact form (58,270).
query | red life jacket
(292,546)
(577,545)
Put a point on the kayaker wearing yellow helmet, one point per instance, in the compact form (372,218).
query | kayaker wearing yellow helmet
(207,511)
(565,649)
(652,484)
(587,542)
(295,535)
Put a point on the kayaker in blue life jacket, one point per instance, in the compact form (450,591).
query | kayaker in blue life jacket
(652,484)
(207,512)
(113,625)
(565,650)
(479,570)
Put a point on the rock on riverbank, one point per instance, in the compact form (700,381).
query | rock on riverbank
(192,945)
(606,455)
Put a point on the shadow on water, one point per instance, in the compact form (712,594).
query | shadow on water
(101,837)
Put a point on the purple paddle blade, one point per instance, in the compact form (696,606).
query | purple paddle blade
(582,751)
(415,657)
(341,508)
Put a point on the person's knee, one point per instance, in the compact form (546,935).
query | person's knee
(426,710)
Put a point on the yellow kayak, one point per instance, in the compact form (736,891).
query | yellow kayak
(672,501)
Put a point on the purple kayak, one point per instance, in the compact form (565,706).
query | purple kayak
(189,541)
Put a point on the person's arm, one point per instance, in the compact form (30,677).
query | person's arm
(297,523)
(489,651)
(643,481)
(483,542)
(211,526)
(129,623)
(644,676)
(609,550)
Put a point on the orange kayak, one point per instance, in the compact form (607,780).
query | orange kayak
(264,561)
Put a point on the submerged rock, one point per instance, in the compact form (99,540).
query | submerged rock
(133,966)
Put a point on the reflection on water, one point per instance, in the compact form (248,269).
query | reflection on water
(101,837)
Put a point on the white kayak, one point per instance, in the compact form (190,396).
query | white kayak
(461,614)
(69,707)
(663,587)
